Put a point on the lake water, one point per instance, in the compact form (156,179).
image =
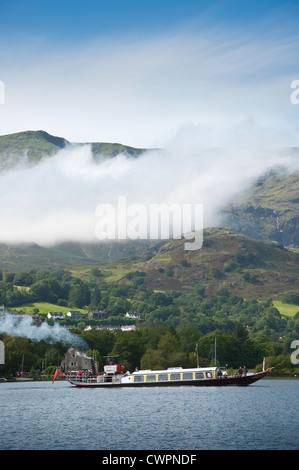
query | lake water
(46,416)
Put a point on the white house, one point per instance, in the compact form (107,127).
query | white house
(128,327)
(55,315)
(133,315)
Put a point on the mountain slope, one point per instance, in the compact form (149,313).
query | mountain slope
(32,146)
(32,256)
(29,145)
(270,211)
(70,254)
(243,266)
(112,150)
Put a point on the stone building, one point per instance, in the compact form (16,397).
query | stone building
(75,359)
(74,314)
(97,314)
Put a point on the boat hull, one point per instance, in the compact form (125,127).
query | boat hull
(240,381)
(23,379)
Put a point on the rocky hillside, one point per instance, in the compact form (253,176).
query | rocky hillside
(241,265)
(228,260)
(270,211)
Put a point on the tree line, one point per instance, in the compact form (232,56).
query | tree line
(153,348)
(222,311)
(170,325)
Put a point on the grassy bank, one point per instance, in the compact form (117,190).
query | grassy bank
(286,309)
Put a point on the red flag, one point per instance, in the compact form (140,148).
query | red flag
(57,372)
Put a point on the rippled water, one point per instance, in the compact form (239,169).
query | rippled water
(46,416)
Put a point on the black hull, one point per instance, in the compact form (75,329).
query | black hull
(242,381)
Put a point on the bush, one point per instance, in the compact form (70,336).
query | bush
(229,266)
(291,299)
(216,273)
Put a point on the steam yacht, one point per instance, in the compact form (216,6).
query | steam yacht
(114,376)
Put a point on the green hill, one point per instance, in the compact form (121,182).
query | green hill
(112,150)
(33,146)
(70,254)
(30,145)
(243,266)
(30,256)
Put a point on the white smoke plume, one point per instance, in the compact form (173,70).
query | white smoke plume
(23,326)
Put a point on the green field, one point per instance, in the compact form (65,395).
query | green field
(45,307)
(286,309)
(109,272)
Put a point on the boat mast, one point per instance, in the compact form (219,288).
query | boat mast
(215,349)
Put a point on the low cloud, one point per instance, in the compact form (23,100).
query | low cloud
(56,199)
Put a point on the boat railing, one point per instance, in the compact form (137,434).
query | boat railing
(82,378)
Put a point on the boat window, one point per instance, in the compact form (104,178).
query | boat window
(175,376)
(199,375)
(138,378)
(187,376)
(150,378)
(162,377)
(209,375)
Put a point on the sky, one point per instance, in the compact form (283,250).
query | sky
(138,72)
(187,77)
